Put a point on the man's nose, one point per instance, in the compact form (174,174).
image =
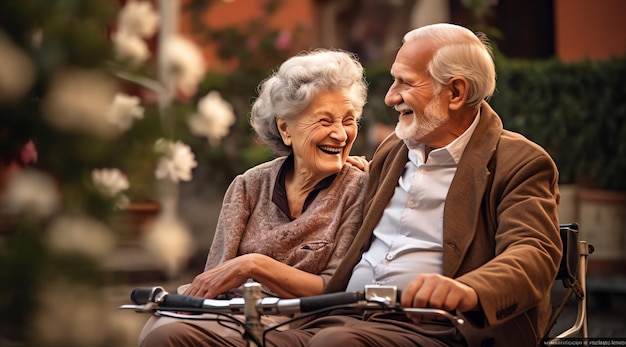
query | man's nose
(393,96)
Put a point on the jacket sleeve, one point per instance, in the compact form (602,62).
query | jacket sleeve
(522,204)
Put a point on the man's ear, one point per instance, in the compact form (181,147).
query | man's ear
(283,129)
(460,88)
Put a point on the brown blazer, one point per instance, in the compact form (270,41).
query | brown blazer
(501,229)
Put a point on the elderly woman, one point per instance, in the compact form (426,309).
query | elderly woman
(287,223)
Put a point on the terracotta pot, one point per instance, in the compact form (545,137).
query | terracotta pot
(602,223)
(132,220)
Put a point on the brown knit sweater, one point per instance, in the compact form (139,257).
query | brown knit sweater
(315,242)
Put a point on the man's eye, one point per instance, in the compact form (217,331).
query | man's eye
(402,82)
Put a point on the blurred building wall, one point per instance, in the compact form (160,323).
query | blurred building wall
(587,29)
(583,29)
(220,15)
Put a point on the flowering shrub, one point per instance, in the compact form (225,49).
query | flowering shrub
(247,52)
(102,106)
(90,109)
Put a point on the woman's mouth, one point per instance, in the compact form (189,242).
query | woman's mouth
(330,150)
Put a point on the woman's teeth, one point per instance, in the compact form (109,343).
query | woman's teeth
(330,150)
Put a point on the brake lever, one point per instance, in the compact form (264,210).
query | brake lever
(457,321)
(147,307)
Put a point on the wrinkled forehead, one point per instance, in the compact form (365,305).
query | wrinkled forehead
(414,56)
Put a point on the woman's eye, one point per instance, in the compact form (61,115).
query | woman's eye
(348,121)
(326,121)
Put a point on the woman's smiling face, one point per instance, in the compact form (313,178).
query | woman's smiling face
(322,136)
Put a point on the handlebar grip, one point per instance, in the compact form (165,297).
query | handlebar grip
(182,301)
(312,303)
(141,296)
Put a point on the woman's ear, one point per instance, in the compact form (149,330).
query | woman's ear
(283,129)
(459,87)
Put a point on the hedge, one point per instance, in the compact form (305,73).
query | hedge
(576,111)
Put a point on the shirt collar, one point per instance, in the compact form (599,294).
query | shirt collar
(448,155)
(279,196)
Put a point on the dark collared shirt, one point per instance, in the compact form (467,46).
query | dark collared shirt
(279,196)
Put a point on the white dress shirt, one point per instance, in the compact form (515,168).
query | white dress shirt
(409,237)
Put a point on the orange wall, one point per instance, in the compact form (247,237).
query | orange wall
(292,12)
(225,14)
(589,29)
(584,29)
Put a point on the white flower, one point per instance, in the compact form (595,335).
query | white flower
(82,235)
(79,100)
(138,18)
(124,110)
(36,38)
(16,70)
(70,314)
(169,241)
(32,193)
(214,118)
(186,63)
(121,201)
(176,162)
(136,21)
(109,182)
(130,47)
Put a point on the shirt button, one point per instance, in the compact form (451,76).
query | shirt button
(423,170)
(389,256)
(411,204)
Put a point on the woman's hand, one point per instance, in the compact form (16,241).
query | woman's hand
(228,275)
(359,162)
(284,280)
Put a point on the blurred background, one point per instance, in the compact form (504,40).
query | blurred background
(91,206)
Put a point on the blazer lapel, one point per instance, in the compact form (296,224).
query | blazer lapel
(463,203)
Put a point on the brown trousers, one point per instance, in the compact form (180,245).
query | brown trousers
(336,330)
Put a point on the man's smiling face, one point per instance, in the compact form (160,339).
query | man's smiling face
(411,93)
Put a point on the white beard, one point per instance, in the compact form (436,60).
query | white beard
(431,119)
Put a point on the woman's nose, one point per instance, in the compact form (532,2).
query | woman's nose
(339,132)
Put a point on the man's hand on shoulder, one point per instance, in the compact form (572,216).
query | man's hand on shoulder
(359,162)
